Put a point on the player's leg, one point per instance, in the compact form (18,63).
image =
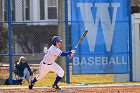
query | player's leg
(43,70)
(26,74)
(59,72)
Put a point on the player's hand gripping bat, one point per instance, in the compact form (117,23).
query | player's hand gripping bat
(80,40)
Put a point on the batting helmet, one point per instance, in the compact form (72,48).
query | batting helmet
(56,39)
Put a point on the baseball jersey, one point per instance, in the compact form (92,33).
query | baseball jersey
(51,55)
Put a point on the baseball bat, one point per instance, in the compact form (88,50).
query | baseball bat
(81,38)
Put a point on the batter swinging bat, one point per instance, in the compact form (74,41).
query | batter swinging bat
(81,38)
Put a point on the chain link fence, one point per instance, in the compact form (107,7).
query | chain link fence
(34,23)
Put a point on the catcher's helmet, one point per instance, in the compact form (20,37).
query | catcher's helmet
(56,39)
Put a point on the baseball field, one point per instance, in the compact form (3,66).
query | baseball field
(78,84)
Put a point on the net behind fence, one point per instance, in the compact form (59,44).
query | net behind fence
(34,23)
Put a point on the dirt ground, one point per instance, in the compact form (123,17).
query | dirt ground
(107,89)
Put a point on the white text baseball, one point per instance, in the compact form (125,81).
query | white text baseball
(99,60)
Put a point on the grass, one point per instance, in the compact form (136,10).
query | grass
(74,79)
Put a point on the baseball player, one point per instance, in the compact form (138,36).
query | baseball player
(48,63)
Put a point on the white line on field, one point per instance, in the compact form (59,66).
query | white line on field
(75,86)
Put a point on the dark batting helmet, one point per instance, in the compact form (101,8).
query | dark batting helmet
(56,39)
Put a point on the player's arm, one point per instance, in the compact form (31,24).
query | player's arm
(67,53)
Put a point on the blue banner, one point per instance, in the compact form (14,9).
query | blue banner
(105,47)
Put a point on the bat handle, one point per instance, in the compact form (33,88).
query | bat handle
(75,48)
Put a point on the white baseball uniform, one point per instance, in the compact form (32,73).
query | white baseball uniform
(48,63)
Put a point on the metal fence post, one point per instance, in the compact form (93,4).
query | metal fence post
(10,41)
(130,44)
(66,33)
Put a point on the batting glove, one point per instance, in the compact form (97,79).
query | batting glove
(73,51)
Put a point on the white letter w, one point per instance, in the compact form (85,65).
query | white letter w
(102,14)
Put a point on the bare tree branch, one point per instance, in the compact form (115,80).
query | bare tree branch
(135,2)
